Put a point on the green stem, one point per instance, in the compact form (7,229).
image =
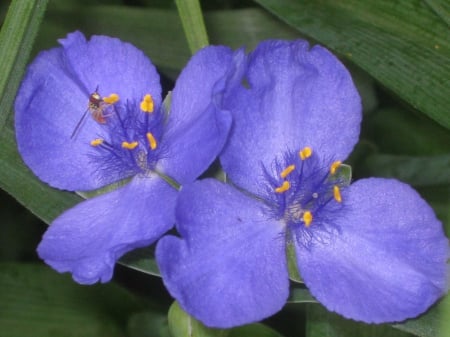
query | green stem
(193,24)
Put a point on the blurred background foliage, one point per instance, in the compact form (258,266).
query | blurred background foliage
(399,56)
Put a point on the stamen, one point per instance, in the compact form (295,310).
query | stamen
(284,187)
(151,140)
(111,99)
(129,146)
(307,218)
(337,193)
(335,166)
(287,171)
(147,104)
(96,142)
(305,153)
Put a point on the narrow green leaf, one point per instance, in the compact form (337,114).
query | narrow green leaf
(245,27)
(403,44)
(253,330)
(323,323)
(428,324)
(417,171)
(148,324)
(401,131)
(142,260)
(439,198)
(194,27)
(16,41)
(36,301)
(183,325)
(15,178)
(441,8)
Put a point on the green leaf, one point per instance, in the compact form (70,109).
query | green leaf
(399,131)
(16,41)
(253,330)
(183,325)
(148,324)
(322,323)
(193,25)
(428,324)
(36,301)
(142,260)
(245,27)
(439,198)
(417,171)
(403,44)
(41,199)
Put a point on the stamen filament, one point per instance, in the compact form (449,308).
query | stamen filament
(111,99)
(337,193)
(129,146)
(307,218)
(147,104)
(284,187)
(287,171)
(151,140)
(305,153)
(335,166)
(97,142)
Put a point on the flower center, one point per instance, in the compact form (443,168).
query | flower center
(131,135)
(306,190)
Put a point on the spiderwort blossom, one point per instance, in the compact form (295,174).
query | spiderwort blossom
(129,138)
(371,251)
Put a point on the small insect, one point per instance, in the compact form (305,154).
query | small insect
(96,106)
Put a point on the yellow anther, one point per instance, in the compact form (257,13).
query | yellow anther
(111,99)
(151,140)
(307,218)
(305,153)
(335,166)
(287,171)
(284,187)
(337,193)
(96,142)
(129,146)
(147,104)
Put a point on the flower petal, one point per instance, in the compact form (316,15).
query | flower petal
(388,262)
(297,97)
(112,65)
(230,267)
(197,128)
(54,96)
(88,239)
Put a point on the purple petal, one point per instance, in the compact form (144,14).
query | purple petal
(197,129)
(297,97)
(112,65)
(388,262)
(88,239)
(230,267)
(54,95)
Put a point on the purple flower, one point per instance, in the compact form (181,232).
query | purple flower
(130,138)
(371,251)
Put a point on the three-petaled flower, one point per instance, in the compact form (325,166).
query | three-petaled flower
(371,251)
(130,138)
